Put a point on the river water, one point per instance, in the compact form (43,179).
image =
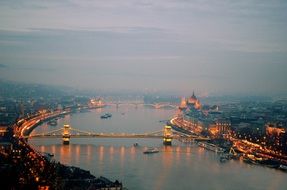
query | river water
(180,166)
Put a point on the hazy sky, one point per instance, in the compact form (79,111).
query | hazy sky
(210,46)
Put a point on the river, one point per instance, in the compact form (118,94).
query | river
(180,166)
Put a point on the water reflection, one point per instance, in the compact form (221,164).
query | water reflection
(122,156)
(112,151)
(133,153)
(53,149)
(89,152)
(101,153)
(188,153)
(177,150)
(181,166)
(78,153)
(167,161)
(172,162)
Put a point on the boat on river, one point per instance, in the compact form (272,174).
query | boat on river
(53,122)
(151,150)
(136,144)
(106,116)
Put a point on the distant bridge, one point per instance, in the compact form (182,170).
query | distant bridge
(136,104)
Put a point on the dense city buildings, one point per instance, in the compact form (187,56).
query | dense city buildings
(257,130)
(23,167)
(252,130)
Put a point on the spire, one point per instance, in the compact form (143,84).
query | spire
(193,96)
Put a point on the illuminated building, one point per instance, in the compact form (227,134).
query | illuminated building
(274,130)
(194,118)
(3,131)
(190,103)
(276,137)
(95,102)
(220,128)
(193,102)
(5,144)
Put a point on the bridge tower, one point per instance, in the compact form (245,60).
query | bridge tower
(167,135)
(66,134)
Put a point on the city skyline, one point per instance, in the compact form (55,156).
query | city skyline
(143,94)
(179,46)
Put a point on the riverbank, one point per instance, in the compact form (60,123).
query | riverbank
(17,172)
(239,149)
(22,167)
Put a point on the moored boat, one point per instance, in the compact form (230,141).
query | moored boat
(249,161)
(252,159)
(270,163)
(282,167)
(211,147)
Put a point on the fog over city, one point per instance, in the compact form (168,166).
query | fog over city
(212,47)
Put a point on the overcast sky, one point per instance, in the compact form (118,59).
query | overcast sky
(209,46)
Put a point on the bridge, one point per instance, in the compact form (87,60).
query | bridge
(136,104)
(167,134)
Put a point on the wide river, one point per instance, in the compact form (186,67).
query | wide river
(180,166)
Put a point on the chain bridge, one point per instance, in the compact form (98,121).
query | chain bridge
(67,132)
